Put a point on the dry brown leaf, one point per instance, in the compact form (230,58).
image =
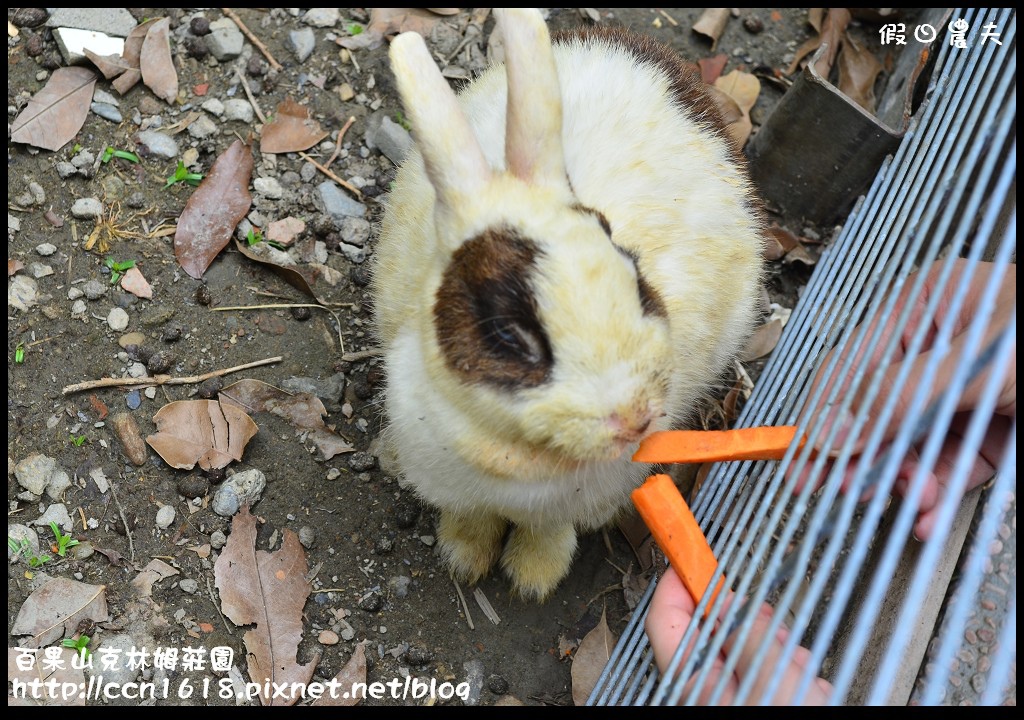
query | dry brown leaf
(444,11)
(590,659)
(858,69)
(639,538)
(201,431)
(155,62)
(763,341)
(712,24)
(784,238)
(831,31)
(292,129)
(110,65)
(799,254)
(815,17)
(62,672)
(202,551)
(392,21)
(153,573)
(727,107)
(314,279)
(772,248)
(56,113)
(353,672)
(131,55)
(744,89)
(302,410)
(711,68)
(266,590)
(14,266)
(213,211)
(54,611)
(135,283)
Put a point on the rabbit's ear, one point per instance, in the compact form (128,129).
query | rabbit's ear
(454,161)
(533,131)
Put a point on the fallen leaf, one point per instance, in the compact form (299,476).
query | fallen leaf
(799,254)
(14,266)
(314,279)
(727,107)
(113,556)
(590,659)
(202,551)
(772,248)
(763,341)
(711,24)
(712,67)
(131,56)
(353,672)
(155,62)
(444,11)
(832,29)
(201,431)
(743,88)
(61,671)
(99,407)
(814,18)
(109,65)
(135,283)
(858,70)
(266,590)
(56,113)
(304,411)
(214,210)
(392,21)
(153,573)
(292,130)
(54,611)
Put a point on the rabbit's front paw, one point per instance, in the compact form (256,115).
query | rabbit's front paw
(538,558)
(470,543)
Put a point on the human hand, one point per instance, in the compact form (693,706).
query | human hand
(939,478)
(670,614)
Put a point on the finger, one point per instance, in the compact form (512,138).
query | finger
(670,614)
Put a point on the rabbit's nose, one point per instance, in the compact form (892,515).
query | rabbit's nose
(631,424)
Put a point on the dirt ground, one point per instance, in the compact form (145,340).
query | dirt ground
(369,541)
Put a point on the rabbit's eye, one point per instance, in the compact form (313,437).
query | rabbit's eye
(523,342)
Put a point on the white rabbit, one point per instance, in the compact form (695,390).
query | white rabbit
(567,263)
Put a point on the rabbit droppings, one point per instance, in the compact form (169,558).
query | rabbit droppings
(568,261)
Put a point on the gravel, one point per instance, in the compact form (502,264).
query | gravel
(225,40)
(87,207)
(158,144)
(302,42)
(117,319)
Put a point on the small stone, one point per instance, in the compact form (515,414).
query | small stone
(160,362)
(34,45)
(94,290)
(418,655)
(171,334)
(117,319)
(328,637)
(165,516)
(83,159)
(75,293)
(301,313)
(203,296)
(65,169)
(218,539)
(57,513)
(371,602)
(753,25)
(407,512)
(986,635)
(345,92)
(383,134)
(136,200)
(361,275)
(199,26)
(302,42)
(33,473)
(107,112)
(87,208)
(213,106)
(39,270)
(189,586)
(307,172)
(497,684)
(193,486)
(361,461)
(337,204)
(202,127)
(133,400)
(114,21)
(354,230)
(354,253)
(322,17)
(347,633)
(225,39)
(83,550)
(113,187)
(333,474)
(473,675)
(269,187)
(78,307)
(978,683)
(307,536)
(255,67)
(196,47)
(238,110)
(241,488)
(428,540)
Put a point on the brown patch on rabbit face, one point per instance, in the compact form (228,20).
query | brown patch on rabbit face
(650,300)
(486,316)
(601,219)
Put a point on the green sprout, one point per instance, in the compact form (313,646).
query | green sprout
(64,542)
(181,174)
(79,645)
(118,269)
(76,149)
(78,441)
(24,549)
(19,353)
(355,29)
(255,236)
(112,152)
(402,120)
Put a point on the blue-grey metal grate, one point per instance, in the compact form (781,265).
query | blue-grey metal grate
(942,197)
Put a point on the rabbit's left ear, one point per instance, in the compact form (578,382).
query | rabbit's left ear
(533,131)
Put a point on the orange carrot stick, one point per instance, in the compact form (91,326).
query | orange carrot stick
(677,533)
(694,446)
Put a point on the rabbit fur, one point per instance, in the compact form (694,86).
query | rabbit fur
(568,261)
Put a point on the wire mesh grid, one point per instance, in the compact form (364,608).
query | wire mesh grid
(825,560)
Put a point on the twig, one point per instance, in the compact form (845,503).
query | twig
(362,354)
(668,17)
(124,520)
(252,100)
(223,619)
(337,144)
(40,342)
(486,606)
(465,606)
(164,379)
(255,40)
(347,185)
